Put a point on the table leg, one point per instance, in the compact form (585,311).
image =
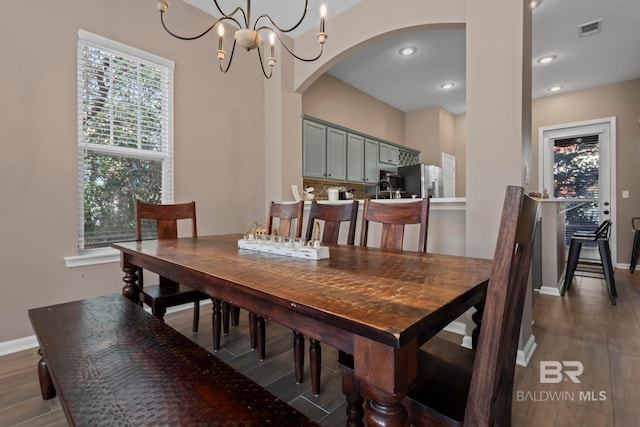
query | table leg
(383,409)
(130,279)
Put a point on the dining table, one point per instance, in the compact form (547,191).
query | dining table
(376,305)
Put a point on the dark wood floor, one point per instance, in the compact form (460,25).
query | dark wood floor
(583,326)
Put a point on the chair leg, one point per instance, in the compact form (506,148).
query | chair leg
(298,356)
(351,391)
(253,341)
(159,311)
(216,321)
(196,316)
(634,251)
(225,318)
(47,390)
(315,361)
(235,315)
(261,338)
(572,264)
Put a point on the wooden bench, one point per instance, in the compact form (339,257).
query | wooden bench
(112,363)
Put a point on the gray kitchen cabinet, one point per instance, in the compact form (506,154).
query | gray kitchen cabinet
(314,149)
(371,171)
(336,154)
(389,154)
(355,158)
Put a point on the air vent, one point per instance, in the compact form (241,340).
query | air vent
(590,28)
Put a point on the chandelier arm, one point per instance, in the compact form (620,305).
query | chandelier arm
(268,76)
(284,45)
(230,15)
(183,37)
(233,49)
(283,30)
(211,27)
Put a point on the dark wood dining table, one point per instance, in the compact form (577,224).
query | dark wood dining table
(378,306)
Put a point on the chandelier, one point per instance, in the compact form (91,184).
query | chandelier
(248,36)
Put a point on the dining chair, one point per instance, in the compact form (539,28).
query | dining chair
(282,216)
(167,293)
(393,218)
(331,216)
(456,386)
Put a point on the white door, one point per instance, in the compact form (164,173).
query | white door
(577,161)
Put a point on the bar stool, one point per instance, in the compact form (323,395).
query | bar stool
(603,266)
(635,223)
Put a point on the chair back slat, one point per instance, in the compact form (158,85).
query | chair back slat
(394,217)
(286,213)
(166,216)
(490,393)
(333,216)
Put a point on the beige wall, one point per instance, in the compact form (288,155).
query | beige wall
(218,142)
(422,129)
(332,100)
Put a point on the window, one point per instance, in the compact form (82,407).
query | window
(125,147)
(575,175)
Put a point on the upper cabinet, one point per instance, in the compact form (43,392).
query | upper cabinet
(355,158)
(314,149)
(324,151)
(371,170)
(334,153)
(389,154)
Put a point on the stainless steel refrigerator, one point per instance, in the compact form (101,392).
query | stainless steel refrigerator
(422,180)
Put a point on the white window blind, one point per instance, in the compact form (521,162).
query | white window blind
(125,137)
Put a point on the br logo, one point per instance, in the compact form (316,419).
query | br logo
(552,371)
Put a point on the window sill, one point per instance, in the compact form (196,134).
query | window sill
(93,257)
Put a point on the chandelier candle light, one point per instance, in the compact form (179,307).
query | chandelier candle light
(247,36)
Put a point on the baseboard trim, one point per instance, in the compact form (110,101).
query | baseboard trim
(524,356)
(549,290)
(19,344)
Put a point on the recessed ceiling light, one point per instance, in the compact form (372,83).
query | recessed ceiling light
(447,85)
(535,3)
(409,50)
(554,88)
(547,59)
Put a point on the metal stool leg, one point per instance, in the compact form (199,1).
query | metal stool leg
(634,252)
(607,267)
(572,264)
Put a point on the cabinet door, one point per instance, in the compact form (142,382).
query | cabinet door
(393,155)
(388,154)
(314,150)
(336,154)
(371,171)
(355,158)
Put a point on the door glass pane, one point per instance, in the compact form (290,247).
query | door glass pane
(576,175)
